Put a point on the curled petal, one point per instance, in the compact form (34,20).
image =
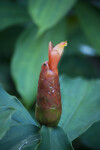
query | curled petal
(55,54)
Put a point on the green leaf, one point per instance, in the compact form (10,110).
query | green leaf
(89,18)
(5,120)
(53,139)
(20,115)
(80,104)
(29,55)
(20,137)
(17,129)
(91,137)
(11,14)
(48,13)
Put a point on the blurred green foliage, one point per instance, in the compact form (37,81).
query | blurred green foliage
(26,27)
(91,138)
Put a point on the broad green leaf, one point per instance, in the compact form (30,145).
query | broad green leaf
(91,137)
(20,114)
(80,105)
(53,139)
(5,120)
(20,137)
(17,129)
(48,13)
(30,53)
(11,14)
(89,18)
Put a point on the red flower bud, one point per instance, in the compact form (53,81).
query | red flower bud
(48,106)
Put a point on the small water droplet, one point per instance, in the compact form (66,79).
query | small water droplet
(53,108)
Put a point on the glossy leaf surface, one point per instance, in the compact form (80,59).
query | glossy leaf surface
(17,129)
(20,115)
(20,137)
(5,120)
(54,139)
(80,103)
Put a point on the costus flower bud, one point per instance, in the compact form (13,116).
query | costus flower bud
(48,106)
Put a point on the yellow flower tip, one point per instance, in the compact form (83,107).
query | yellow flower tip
(60,47)
(63,44)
